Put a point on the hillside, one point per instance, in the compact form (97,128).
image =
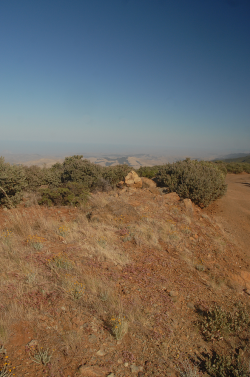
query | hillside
(244,158)
(135,283)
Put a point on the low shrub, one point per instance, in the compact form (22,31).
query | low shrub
(75,169)
(115,174)
(37,176)
(148,171)
(202,182)
(216,322)
(72,193)
(12,183)
(226,366)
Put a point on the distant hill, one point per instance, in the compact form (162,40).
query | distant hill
(243,158)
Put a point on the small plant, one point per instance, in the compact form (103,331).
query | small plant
(102,242)
(63,230)
(42,357)
(118,326)
(76,290)
(61,261)
(4,372)
(36,242)
(216,322)
(226,366)
(186,369)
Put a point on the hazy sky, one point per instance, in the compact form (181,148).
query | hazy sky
(172,73)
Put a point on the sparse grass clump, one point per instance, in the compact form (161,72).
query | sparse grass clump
(118,326)
(200,181)
(41,356)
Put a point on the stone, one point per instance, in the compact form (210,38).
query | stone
(148,183)
(111,375)
(33,343)
(173,293)
(190,305)
(101,352)
(243,279)
(135,369)
(133,180)
(172,197)
(126,365)
(189,206)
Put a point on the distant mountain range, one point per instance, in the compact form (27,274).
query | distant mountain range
(236,157)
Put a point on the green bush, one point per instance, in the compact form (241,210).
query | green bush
(73,193)
(12,183)
(226,366)
(238,168)
(115,174)
(148,171)
(202,182)
(75,169)
(37,176)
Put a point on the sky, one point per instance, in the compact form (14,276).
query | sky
(159,74)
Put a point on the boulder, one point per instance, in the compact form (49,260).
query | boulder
(133,180)
(148,183)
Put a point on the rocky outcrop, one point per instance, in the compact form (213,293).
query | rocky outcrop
(133,180)
(148,183)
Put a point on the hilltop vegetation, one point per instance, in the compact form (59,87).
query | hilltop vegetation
(102,279)
(69,183)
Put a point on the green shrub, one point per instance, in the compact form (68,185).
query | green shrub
(12,183)
(148,171)
(115,174)
(73,193)
(202,182)
(37,176)
(75,169)
(216,322)
(226,366)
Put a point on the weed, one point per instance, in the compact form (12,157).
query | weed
(186,369)
(4,372)
(42,357)
(60,261)
(118,326)
(36,242)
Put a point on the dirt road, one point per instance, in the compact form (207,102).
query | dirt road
(233,210)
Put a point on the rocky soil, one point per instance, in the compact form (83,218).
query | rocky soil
(117,288)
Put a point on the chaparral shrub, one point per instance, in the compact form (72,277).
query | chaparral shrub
(37,176)
(115,174)
(12,183)
(75,169)
(148,171)
(202,182)
(73,193)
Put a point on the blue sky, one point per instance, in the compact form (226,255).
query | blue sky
(157,73)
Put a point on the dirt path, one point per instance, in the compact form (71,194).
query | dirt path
(233,210)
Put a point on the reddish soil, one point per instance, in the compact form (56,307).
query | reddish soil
(233,210)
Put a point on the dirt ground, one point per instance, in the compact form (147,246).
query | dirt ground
(233,210)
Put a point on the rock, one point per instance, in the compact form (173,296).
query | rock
(33,343)
(190,305)
(101,352)
(154,190)
(133,180)
(120,184)
(243,279)
(172,197)
(126,365)
(173,293)
(111,375)
(148,183)
(135,369)
(189,206)
(91,371)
